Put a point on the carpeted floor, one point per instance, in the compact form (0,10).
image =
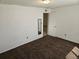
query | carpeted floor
(47,47)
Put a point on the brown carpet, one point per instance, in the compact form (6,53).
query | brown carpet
(47,47)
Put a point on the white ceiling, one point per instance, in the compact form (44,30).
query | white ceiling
(37,3)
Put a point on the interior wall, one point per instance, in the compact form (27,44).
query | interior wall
(66,20)
(18,25)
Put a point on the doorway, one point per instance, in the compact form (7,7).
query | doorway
(45,24)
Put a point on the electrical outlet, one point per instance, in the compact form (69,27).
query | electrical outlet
(54,26)
(27,37)
(65,35)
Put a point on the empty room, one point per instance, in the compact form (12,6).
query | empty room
(39,29)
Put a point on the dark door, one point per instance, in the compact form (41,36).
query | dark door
(45,23)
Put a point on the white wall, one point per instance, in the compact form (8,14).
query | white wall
(66,20)
(16,23)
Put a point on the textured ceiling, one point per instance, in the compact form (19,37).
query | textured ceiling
(38,3)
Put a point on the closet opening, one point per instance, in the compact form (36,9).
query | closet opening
(45,23)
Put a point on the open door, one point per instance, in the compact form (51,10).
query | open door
(45,23)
